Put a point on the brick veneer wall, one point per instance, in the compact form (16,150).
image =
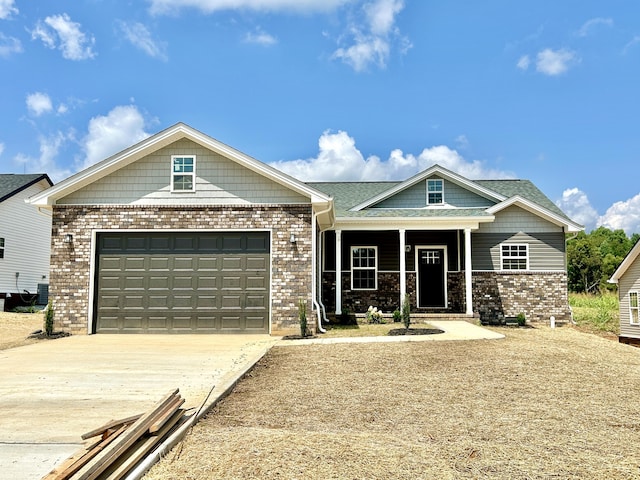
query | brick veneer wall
(538,295)
(70,284)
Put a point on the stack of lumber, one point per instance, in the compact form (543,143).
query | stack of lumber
(120,444)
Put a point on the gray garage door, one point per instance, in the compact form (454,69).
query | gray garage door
(185,282)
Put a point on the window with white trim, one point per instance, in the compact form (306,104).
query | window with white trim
(183,173)
(364,268)
(435,192)
(634,311)
(514,256)
(1,247)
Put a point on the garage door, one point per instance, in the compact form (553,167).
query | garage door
(185,282)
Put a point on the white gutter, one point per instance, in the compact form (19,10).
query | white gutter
(316,292)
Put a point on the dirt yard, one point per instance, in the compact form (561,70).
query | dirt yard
(539,404)
(16,327)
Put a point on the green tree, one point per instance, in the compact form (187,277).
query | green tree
(584,264)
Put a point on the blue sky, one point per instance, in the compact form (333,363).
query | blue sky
(339,89)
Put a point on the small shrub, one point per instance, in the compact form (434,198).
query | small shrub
(521,319)
(406,312)
(48,319)
(302,317)
(374,315)
(397,316)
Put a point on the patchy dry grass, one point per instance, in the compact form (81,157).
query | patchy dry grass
(16,327)
(539,404)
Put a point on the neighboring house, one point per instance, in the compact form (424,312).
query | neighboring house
(181,233)
(25,241)
(627,276)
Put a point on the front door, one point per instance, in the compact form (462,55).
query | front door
(431,277)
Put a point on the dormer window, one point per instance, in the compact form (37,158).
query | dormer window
(435,192)
(183,173)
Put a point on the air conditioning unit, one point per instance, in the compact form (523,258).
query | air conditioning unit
(43,293)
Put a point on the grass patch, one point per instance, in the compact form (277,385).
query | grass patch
(596,313)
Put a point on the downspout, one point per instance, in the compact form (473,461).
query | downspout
(317,301)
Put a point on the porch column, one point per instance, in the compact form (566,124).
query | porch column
(403,268)
(467,271)
(338,272)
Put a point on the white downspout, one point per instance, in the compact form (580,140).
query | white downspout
(467,271)
(315,268)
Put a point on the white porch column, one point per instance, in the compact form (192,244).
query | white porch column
(467,271)
(338,272)
(403,268)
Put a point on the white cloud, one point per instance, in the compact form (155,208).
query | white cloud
(7,9)
(632,43)
(588,26)
(338,159)
(623,215)
(162,7)
(59,31)
(555,62)
(46,162)
(260,38)
(524,62)
(373,38)
(1,148)
(9,45)
(576,205)
(141,38)
(39,103)
(120,128)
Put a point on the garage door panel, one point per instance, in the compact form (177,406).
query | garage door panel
(154,283)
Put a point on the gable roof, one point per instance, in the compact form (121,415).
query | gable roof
(12,183)
(155,142)
(626,263)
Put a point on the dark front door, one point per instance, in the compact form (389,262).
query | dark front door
(431,277)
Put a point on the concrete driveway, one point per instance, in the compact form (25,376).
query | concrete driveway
(54,391)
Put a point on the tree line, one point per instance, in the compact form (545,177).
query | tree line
(593,257)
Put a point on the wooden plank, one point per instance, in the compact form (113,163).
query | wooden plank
(110,425)
(166,415)
(146,444)
(74,463)
(102,461)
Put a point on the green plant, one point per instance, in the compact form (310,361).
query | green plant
(302,317)
(48,319)
(374,315)
(406,312)
(397,316)
(521,319)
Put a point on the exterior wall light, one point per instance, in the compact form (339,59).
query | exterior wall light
(292,238)
(68,238)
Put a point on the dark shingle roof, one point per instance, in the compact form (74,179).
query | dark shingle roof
(347,195)
(12,183)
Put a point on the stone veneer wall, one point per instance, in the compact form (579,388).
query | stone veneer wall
(290,264)
(538,295)
(496,295)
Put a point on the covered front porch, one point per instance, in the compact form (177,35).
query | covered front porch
(379,267)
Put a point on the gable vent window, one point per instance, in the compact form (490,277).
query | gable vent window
(435,192)
(183,173)
(515,256)
(634,308)
(1,247)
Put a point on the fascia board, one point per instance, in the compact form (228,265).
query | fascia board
(626,263)
(447,174)
(536,209)
(397,223)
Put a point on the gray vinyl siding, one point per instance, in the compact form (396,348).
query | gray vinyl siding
(219,181)
(516,219)
(416,197)
(629,281)
(546,250)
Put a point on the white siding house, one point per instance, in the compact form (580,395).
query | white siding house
(25,239)
(627,276)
